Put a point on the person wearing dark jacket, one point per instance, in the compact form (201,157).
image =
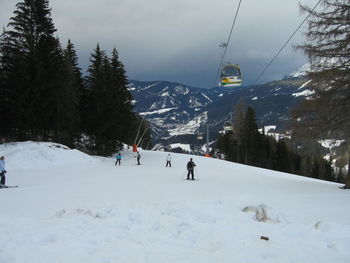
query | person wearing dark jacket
(138,157)
(190,169)
(2,171)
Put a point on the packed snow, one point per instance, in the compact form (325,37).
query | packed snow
(71,207)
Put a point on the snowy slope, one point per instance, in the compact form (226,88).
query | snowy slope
(72,207)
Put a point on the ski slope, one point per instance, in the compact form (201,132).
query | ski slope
(71,207)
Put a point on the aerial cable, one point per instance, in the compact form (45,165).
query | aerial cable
(273,59)
(225,45)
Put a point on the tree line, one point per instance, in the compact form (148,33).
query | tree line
(245,144)
(44,96)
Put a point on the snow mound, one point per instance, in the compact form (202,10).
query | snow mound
(37,155)
(263,213)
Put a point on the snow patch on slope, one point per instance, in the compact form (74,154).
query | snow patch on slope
(192,126)
(301,71)
(304,93)
(157,111)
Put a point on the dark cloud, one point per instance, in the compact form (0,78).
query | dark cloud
(179,40)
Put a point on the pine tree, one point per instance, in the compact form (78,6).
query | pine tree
(124,97)
(327,113)
(109,115)
(7,120)
(238,130)
(281,161)
(32,61)
(75,96)
(94,86)
(71,56)
(250,137)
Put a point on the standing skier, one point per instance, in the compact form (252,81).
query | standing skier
(2,171)
(138,157)
(168,160)
(190,169)
(118,158)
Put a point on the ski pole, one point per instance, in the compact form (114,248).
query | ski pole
(184,175)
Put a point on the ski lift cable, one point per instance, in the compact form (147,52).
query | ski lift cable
(225,45)
(285,44)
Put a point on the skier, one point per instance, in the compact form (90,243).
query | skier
(2,172)
(138,157)
(168,160)
(118,158)
(190,169)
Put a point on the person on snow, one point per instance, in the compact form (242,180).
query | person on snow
(2,171)
(138,157)
(118,158)
(168,160)
(190,169)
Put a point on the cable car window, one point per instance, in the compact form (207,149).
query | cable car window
(231,71)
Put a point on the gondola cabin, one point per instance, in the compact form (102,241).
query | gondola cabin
(200,136)
(230,76)
(228,126)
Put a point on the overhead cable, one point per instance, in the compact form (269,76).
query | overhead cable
(279,51)
(225,45)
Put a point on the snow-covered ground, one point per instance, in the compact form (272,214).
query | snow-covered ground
(71,207)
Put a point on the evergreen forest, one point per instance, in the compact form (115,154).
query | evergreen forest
(45,97)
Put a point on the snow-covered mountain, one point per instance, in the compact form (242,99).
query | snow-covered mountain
(301,71)
(178,112)
(71,207)
(172,108)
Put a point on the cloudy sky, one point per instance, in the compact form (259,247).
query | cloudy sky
(178,40)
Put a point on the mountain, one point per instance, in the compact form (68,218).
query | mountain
(178,112)
(173,109)
(72,207)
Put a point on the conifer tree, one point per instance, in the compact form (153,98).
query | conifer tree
(281,160)
(124,97)
(327,113)
(94,85)
(109,115)
(76,93)
(250,137)
(238,129)
(32,61)
(72,57)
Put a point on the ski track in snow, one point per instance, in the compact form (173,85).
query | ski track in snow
(85,209)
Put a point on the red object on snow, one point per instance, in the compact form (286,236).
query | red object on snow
(134,148)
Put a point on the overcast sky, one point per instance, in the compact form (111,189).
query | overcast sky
(178,40)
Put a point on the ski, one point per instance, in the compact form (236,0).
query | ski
(8,186)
